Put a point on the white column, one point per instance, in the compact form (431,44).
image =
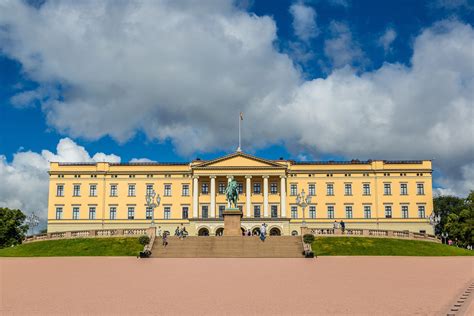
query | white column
(265,196)
(195,196)
(213,196)
(248,194)
(283,196)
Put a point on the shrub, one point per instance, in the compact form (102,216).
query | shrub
(144,240)
(308,238)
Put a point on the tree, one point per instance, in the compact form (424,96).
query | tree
(12,227)
(457,218)
(443,206)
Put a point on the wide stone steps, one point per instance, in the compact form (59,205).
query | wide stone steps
(229,247)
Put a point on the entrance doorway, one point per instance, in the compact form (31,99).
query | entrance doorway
(203,232)
(256,231)
(275,232)
(220,231)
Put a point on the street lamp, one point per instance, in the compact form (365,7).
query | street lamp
(303,201)
(444,237)
(150,203)
(32,221)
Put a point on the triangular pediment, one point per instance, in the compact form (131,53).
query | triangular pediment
(239,159)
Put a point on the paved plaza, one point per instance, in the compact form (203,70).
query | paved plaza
(327,285)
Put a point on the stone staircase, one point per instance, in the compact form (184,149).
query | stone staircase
(229,247)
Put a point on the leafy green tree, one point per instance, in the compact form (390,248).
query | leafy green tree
(12,227)
(443,206)
(457,218)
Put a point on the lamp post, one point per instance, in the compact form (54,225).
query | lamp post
(435,220)
(444,237)
(150,202)
(303,200)
(32,221)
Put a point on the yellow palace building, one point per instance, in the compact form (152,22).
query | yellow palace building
(373,194)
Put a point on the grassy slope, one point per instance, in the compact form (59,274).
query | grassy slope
(76,247)
(361,246)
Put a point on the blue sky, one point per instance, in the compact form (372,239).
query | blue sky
(136,85)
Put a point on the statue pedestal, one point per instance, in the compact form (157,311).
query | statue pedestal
(232,218)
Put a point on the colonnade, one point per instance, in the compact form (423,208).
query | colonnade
(248,196)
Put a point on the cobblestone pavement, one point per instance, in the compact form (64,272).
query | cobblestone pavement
(326,285)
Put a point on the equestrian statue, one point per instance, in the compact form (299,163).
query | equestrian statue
(232,192)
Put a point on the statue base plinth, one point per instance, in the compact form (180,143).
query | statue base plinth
(232,218)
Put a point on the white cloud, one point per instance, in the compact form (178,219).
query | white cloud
(387,39)
(304,21)
(141,160)
(341,49)
(184,70)
(453,4)
(25,179)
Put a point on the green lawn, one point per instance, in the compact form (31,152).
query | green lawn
(362,246)
(76,247)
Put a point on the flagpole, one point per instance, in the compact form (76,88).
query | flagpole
(240,119)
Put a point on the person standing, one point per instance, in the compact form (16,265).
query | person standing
(343,226)
(158,232)
(335,226)
(165,239)
(263,231)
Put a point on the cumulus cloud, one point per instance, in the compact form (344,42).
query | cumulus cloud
(141,160)
(341,49)
(304,21)
(184,70)
(25,179)
(387,39)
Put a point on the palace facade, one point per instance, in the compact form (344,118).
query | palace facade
(373,194)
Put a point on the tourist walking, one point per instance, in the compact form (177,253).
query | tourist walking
(263,231)
(165,239)
(184,232)
(176,232)
(343,226)
(158,232)
(335,225)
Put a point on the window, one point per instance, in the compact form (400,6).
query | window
(131,190)
(273,188)
(205,211)
(294,212)
(113,190)
(221,187)
(388,211)
(185,212)
(387,189)
(92,212)
(312,189)
(240,187)
(312,211)
(167,190)
(256,211)
(149,213)
(348,189)
(330,189)
(403,189)
(185,190)
(113,212)
(404,211)
(93,190)
(59,213)
(205,188)
(293,189)
(367,211)
(76,190)
(257,188)
(131,212)
(221,211)
(421,211)
(366,189)
(149,189)
(348,211)
(167,213)
(274,211)
(75,212)
(60,190)
(330,211)
(420,189)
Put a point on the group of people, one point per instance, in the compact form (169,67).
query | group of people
(262,233)
(336,225)
(181,232)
